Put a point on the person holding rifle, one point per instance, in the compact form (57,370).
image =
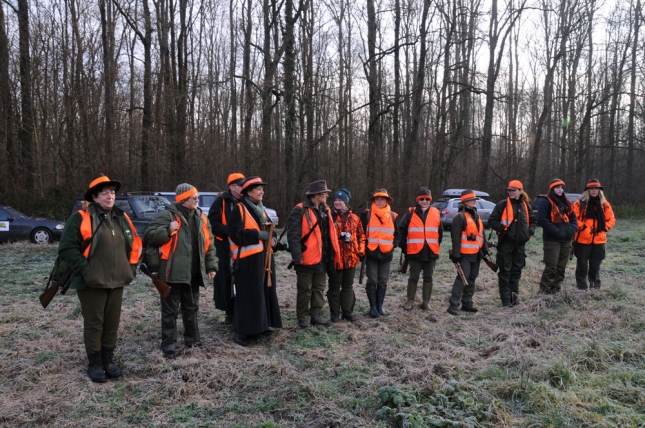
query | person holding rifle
(253,241)
(382,234)
(595,218)
(514,222)
(468,243)
(421,234)
(351,242)
(188,261)
(101,271)
(218,215)
(315,252)
(559,225)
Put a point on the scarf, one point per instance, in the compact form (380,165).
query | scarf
(257,209)
(595,211)
(382,213)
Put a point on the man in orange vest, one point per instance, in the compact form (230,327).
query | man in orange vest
(514,222)
(218,217)
(467,232)
(313,243)
(188,261)
(421,234)
(382,235)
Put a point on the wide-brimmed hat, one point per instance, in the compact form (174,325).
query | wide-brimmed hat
(236,178)
(423,192)
(468,195)
(100,181)
(252,182)
(555,183)
(593,183)
(514,184)
(381,193)
(316,187)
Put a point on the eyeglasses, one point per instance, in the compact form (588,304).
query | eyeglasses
(424,199)
(194,198)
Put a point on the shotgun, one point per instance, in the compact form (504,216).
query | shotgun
(488,261)
(163,288)
(269,252)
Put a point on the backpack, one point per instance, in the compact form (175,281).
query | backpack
(151,256)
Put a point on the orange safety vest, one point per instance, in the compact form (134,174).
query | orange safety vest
(86,232)
(556,215)
(380,235)
(166,249)
(507,215)
(420,234)
(477,229)
(224,220)
(313,254)
(238,252)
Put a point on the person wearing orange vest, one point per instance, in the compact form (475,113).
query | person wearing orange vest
(313,244)
(421,234)
(101,271)
(514,222)
(256,303)
(351,241)
(183,234)
(595,218)
(559,224)
(218,215)
(382,235)
(467,233)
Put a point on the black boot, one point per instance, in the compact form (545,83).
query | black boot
(95,368)
(371,296)
(111,370)
(380,297)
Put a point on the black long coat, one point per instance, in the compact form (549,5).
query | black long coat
(256,306)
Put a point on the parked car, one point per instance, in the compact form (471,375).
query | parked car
(456,193)
(448,208)
(535,203)
(141,208)
(206,199)
(16,226)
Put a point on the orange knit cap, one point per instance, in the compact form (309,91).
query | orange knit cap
(556,183)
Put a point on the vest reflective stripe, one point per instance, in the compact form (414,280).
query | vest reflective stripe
(165,249)
(250,224)
(379,235)
(313,254)
(471,247)
(507,214)
(86,232)
(420,234)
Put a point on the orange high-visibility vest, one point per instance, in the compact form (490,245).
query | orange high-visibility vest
(238,252)
(379,235)
(556,215)
(86,232)
(420,234)
(507,215)
(166,249)
(313,254)
(477,229)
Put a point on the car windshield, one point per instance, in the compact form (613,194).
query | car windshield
(149,206)
(15,213)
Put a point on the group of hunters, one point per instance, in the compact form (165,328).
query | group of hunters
(233,246)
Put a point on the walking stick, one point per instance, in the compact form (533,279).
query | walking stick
(269,251)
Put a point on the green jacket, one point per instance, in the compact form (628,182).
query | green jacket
(158,233)
(105,267)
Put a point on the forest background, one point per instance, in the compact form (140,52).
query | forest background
(365,94)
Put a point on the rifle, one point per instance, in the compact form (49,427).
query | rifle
(66,278)
(163,288)
(460,271)
(488,261)
(361,275)
(269,252)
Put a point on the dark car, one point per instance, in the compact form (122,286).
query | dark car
(535,203)
(448,208)
(16,226)
(141,208)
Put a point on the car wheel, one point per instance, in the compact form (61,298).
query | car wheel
(41,236)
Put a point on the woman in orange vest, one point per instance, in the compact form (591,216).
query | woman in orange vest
(101,271)
(467,233)
(595,219)
(558,221)
(382,234)
(421,234)
(255,307)
(514,222)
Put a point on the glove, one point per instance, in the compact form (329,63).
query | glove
(455,259)
(263,235)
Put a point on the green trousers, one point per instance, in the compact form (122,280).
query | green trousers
(101,310)
(310,299)
(341,292)
(556,256)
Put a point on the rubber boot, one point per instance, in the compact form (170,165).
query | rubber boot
(111,370)
(95,368)
(380,297)
(427,292)
(412,291)
(371,296)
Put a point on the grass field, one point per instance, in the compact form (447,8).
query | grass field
(576,359)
